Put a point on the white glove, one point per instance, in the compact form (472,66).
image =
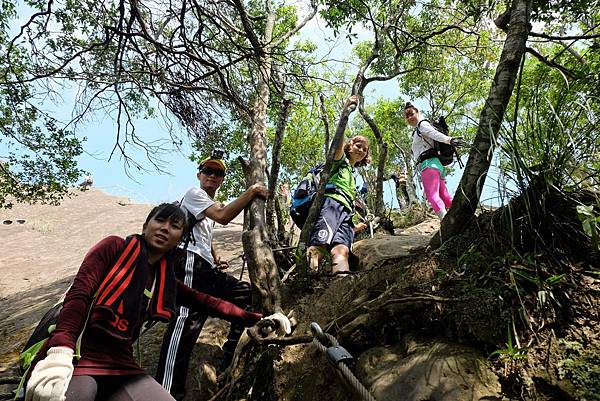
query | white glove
(283,323)
(51,376)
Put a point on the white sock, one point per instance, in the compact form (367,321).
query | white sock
(441,213)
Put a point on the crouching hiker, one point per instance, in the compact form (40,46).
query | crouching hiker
(121,284)
(334,229)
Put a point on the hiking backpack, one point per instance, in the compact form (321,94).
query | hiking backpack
(38,340)
(304,194)
(191,221)
(443,151)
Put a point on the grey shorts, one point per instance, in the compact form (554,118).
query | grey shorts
(333,226)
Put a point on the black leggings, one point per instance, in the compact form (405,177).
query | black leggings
(183,332)
(116,388)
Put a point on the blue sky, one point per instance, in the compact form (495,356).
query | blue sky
(146,187)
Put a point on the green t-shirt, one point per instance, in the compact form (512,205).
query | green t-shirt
(343,179)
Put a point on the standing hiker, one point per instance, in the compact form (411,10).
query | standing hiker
(201,270)
(121,283)
(431,168)
(334,229)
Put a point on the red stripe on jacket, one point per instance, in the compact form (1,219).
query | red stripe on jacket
(115,267)
(161,288)
(118,277)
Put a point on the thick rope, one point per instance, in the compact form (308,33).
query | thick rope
(344,371)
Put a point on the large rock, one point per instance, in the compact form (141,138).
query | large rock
(433,371)
(372,252)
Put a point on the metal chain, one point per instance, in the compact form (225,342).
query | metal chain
(320,339)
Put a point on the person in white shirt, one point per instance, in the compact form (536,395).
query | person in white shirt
(202,269)
(431,169)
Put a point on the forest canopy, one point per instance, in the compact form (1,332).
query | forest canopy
(200,67)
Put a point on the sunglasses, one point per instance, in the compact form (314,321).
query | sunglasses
(211,171)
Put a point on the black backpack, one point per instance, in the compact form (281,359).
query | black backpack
(443,151)
(191,221)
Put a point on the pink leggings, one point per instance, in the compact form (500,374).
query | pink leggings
(435,189)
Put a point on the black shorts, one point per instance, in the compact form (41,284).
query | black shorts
(333,226)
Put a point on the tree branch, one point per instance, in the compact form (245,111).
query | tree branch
(298,26)
(251,35)
(551,63)
(568,37)
(325,119)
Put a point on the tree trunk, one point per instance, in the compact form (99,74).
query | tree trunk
(370,180)
(411,192)
(283,237)
(402,191)
(325,119)
(467,196)
(411,189)
(358,87)
(261,263)
(402,195)
(382,147)
(274,174)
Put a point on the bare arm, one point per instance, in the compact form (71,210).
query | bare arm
(217,307)
(213,252)
(223,214)
(360,227)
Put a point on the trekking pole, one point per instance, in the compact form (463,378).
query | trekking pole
(369,218)
(340,359)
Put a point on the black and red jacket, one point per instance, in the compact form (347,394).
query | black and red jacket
(108,269)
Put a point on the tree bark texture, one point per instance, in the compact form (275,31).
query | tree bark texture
(274,174)
(255,240)
(283,237)
(411,190)
(402,195)
(468,193)
(358,87)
